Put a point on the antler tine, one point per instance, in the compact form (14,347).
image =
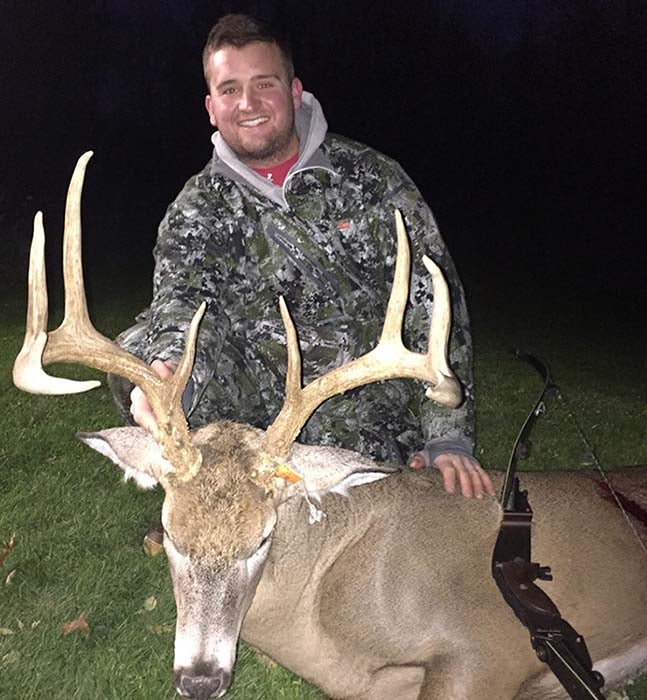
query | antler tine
(388,360)
(446,390)
(77,341)
(28,373)
(293,374)
(182,372)
(76,307)
(392,327)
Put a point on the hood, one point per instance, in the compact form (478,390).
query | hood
(311,128)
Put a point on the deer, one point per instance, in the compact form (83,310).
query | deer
(366,579)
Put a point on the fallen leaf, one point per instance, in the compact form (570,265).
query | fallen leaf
(6,548)
(35,624)
(150,603)
(11,658)
(9,579)
(79,625)
(5,632)
(160,629)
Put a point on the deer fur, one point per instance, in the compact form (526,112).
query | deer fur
(390,594)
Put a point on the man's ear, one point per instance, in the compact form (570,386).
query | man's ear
(297,91)
(132,449)
(209,107)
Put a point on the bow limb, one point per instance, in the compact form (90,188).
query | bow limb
(554,640)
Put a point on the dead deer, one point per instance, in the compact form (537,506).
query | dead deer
(390,595)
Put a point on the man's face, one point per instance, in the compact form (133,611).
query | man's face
(252,104)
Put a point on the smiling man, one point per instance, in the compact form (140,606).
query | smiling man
(251,101)
(283,207)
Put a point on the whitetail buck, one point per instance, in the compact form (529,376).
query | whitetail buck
(388,597)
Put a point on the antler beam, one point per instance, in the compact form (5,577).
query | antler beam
(77,341)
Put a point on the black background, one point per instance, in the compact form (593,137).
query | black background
(523,123)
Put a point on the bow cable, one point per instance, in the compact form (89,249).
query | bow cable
(591,452)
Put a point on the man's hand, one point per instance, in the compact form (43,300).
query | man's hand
(473,479)
(140,409)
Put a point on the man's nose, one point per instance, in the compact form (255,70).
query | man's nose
(247,100)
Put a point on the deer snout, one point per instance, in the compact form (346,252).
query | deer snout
(191,684)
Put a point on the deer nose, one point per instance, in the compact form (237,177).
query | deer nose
(202,687)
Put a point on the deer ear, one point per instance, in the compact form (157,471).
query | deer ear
(132,449)
(334,470)
(364,476)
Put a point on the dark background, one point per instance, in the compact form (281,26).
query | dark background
(523,123)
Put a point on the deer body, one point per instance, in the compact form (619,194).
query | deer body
(370,585)
(398,575)
(390,595)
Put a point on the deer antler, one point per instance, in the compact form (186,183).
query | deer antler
(77,341)
(388,360)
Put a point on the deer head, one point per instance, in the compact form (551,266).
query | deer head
(224,482)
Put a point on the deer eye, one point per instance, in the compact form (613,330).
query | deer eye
(256,558)
(168,542)
(265,542)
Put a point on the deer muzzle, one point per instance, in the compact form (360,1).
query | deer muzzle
(202,683)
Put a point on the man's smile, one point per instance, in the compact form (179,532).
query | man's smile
(257,121)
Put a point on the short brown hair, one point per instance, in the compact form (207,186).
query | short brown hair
(240,30)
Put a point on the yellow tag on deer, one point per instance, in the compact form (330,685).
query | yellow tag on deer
(284,472)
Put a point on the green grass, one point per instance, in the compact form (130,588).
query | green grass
(79,528)
(595,351)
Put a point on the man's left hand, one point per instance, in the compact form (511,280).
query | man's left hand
(473,479)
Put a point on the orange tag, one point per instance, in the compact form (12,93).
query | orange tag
(284,472)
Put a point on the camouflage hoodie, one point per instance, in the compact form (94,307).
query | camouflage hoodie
(325,240)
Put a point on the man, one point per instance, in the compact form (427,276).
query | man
(283,207)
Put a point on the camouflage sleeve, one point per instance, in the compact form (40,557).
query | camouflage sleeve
(188,271)
(453,427)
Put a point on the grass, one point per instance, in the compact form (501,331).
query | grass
(79,528)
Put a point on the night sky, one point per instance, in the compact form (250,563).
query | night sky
(523,123)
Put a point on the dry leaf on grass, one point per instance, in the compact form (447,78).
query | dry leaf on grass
(79,625)
(6,548)
(5,632)
(160,629)
(13,657)
(150,603)
(10,575)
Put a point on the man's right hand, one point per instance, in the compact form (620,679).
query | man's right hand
(140,409)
